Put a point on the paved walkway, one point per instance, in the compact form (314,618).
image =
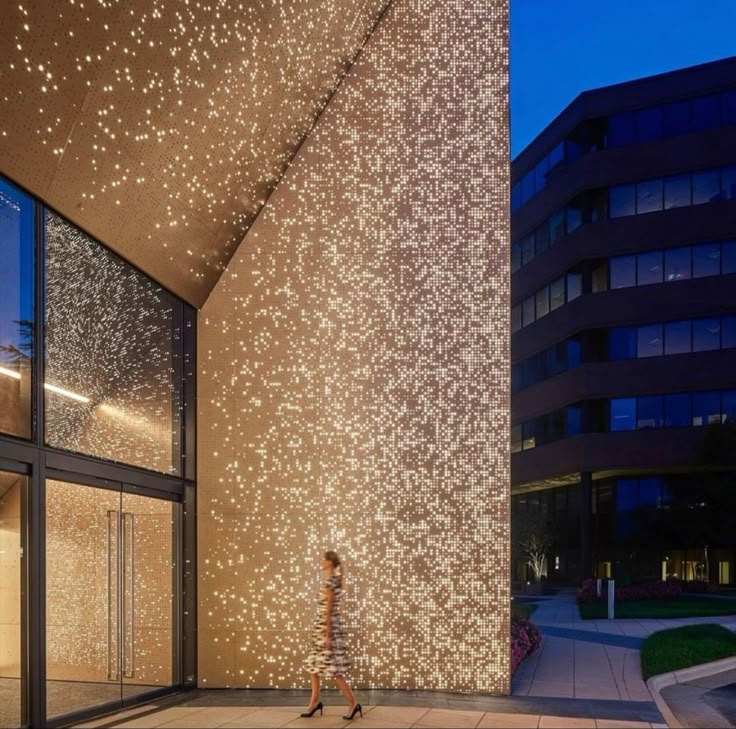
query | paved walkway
(393,709)
(708,701)
(591,659)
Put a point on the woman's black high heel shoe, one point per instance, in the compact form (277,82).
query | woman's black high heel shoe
(351,715)
(307,714)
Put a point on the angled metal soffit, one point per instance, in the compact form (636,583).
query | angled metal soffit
(161,127)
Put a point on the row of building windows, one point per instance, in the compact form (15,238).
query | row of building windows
(671,120)
(675,191)
(632,127)
(549,298)
(678,410)
(620,343)
(664,266)
(674,337)
(636,198)
(717,258)
(672,411)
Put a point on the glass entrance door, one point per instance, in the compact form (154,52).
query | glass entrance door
(110,579)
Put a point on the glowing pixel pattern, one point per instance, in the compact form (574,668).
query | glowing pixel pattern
(162,126)
(112,389)
(353,377)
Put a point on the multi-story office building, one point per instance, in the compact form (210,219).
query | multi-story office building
(624,330)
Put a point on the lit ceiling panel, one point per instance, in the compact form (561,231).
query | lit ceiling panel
(161,126)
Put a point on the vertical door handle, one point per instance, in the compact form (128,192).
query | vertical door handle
(129,594)
(113,595)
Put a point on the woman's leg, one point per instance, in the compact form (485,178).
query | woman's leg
(315,691)
(347,692)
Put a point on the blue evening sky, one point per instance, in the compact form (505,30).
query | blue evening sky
(562,47)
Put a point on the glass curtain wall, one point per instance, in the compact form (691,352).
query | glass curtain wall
(110,579)
(112,364)
(96,459)
(16,310)
(12,518)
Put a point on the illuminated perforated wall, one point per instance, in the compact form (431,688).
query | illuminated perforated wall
(353,377)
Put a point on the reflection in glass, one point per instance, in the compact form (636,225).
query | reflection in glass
(677,337)
(728,257)
(649,268)
(109,585)
(648,196)
(706,187)
(112,389)
(677,191)
(649,341)
(706,260)
(542,302)
(649,412)
(622,201)
(623,413)
(677,264)
(677,410)
(557,294)
(623,272)
(16,310)
(706,334)
(706,408)
(11,566)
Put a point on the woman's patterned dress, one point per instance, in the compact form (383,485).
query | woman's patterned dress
(332,662)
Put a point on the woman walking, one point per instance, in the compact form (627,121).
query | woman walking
(327,656)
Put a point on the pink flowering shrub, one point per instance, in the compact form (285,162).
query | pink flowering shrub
(525,639)
(698,586)
(653,590)
(587,593)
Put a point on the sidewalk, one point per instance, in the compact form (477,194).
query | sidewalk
(591,659)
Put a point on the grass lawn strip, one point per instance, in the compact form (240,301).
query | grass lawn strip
(671,650)
(678,607)
(523,609)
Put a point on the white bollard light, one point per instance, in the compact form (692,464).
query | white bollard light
(611,598)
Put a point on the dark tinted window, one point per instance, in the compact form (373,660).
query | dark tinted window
(527,187)
(677,411)
(705,112)
(574,217)
(623,272)
(556,226)
(648,196)
(515,197)
(649,412)
(728,332)
(622,201)
(649,492)
(649,268)
(627,494)
(729,406)
(574,286)
(527,312)
(706,187)
(573,352)
(557,155)
(706,334)
(649,125)
(677,337)
(541,238)
(623,413)
(706,408)
(527,250)
(622,343)
(728,107)
(515,257)
(599,278)
(542,302)
(677,264)
(557,294)
(728,257)
(516,318)
(649,341)
(706,260)
(677,192)
(621,130)
(728,183)
(574,421)
(676,118)
(540,175)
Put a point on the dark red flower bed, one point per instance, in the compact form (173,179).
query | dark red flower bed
(653,590)
(525,639)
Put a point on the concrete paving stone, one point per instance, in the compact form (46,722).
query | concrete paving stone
(565,722)
(450,719)
(509,721)
(265,718)
(208,718)
(368,722)
(559,689)
(328,722)
(401,714)
(120,716)
(614,724)
(596,691)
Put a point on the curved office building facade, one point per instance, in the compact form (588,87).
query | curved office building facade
(624,394)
